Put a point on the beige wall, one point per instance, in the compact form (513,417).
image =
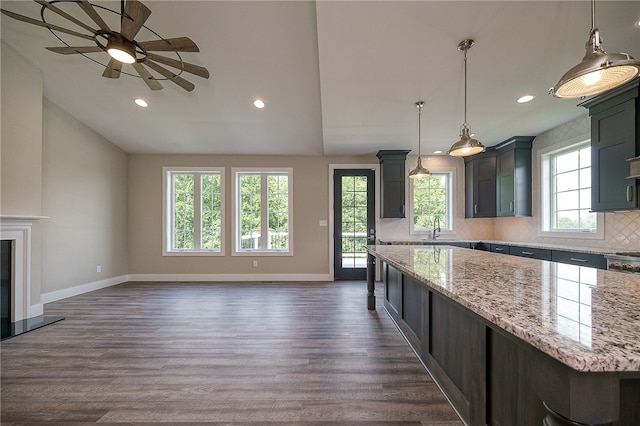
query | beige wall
(622,230)
(52,165)
(85,196)
(310,205)
(21,136)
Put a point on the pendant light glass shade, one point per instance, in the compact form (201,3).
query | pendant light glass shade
(598,71)
(466,145)
(121,50)
(419,171)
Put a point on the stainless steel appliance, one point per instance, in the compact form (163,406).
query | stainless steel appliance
(625,262)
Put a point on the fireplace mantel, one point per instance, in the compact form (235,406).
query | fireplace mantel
(17,228)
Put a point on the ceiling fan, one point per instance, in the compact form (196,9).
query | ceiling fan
(121,46)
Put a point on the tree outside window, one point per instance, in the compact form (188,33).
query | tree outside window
(431,199)
(194,210)
(263,211)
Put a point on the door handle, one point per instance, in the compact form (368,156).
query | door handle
(528,253)
(629,192)
(475,209)
(511,206)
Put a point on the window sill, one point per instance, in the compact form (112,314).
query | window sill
(581,235)
(192,253)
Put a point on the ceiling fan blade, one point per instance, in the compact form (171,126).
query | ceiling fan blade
(89,10)
(185,66)
(77,49)
(147,77)
(64,14)
(178,44)
(45,25)
(186,85)
(113,69)
(135,15)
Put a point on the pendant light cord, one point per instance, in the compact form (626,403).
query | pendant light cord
(419,121)
(593,14)
(465,87)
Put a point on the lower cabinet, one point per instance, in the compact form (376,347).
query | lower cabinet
(581,259)
(533,253)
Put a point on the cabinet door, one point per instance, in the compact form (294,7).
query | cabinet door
(480,187)
(393,180)
(505,190)
(613,141)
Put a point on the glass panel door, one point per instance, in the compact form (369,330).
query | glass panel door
(354,221)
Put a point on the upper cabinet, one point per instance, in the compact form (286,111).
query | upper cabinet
(498,181)
(480,184)
(513,177)
(392,182)
(615,138)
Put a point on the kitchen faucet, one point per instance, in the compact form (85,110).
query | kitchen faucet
(436,227)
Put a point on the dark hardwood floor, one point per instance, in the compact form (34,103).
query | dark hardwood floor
(186,353)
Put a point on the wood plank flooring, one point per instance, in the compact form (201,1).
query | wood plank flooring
(210,353)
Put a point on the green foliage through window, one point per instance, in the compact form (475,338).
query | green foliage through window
(196,211)
(263,211)
(431,200)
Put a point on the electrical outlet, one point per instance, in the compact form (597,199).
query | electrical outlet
(255,263)
(99,268)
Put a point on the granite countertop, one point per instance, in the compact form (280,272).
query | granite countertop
(589,319)
(444,241)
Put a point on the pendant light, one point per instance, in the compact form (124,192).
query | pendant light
(419,171)
(598,71)
(466,145)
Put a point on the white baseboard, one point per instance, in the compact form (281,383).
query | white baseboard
(229,277)
(36,310)
(85,288)
(80,289)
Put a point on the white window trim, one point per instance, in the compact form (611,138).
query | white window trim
(166,217)
(235,171)
(452,209)
(545,197)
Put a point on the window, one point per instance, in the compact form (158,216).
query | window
(262,203)
(431,200)
(566,191)
(194,211)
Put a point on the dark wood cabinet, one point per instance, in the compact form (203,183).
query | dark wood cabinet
(532,252)
(480,185)
(513,177)
(615,138)
(592,260)
(392,180)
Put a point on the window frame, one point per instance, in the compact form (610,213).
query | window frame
(547,194)
(167,210)
(451,174)
(236,173)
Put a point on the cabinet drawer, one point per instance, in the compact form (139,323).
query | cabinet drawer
(582,259)
(499,248)
(534,253)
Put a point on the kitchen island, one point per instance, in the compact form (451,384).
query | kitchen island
(518,341)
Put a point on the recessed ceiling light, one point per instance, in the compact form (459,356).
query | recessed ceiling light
(525,99)
(258,103)
(437,152)
(637,24)
(141,102)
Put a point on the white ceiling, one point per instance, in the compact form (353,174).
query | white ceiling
(337,77)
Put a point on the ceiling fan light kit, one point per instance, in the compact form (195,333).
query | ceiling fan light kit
(121,47)
(466,145)
(419,171)
(598,71)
